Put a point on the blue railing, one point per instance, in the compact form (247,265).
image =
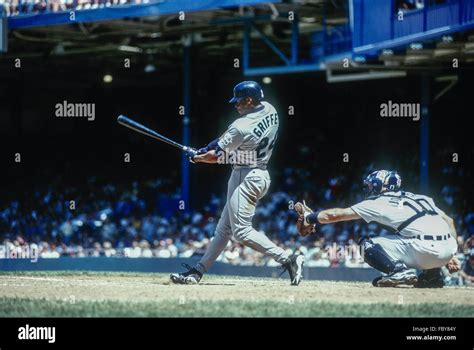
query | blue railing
(378,24)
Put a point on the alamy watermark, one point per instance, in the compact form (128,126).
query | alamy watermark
(400,110)
(237,157)
(37,333)
(352,252)
(19,252)
(75,110)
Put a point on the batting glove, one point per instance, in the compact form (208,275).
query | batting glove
(191,153)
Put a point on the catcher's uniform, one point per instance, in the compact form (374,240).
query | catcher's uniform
(248,144)
(420,237)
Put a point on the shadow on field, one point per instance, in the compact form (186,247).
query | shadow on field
(169,283)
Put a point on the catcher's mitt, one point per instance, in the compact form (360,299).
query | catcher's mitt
(303,229)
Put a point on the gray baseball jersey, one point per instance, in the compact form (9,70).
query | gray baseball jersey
(392,209)
(250,138)
(423,239)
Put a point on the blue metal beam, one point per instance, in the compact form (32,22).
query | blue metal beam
(186,119)
(271,45)
(156,8)
(246,47)
(424,134)
(393,15)
(297,68)
(291,65)
(3,34)
(295,32)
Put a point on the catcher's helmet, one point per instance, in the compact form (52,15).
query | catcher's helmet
(247,89)
(380,180)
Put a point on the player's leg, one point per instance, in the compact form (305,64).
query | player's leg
(387,254)
(222,236)
(218,243)
(429,254)
(242,206)
(223,230)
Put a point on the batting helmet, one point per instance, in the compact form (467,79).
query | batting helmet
(378,180)
(247,89)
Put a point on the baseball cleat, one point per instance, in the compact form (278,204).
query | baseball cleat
(294,266)
(192,276)
(430,279)
(403,277)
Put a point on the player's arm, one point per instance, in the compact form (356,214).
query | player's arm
(208,154)
(209,157)
(329,216)
(228,142)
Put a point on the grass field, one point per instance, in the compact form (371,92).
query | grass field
(88,294)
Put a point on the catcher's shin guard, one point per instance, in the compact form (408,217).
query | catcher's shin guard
(375,256)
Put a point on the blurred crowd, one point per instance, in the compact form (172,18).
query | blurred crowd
(16,7)
(148,219)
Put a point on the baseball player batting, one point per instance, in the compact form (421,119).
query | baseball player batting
(422,236)
(255,131)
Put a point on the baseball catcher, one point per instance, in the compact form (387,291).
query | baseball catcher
(422,236)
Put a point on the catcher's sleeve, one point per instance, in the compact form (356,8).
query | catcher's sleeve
(368,210)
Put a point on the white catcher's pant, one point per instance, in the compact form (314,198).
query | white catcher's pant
(416,253)
(245,187)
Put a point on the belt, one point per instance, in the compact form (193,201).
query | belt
(433,238)
(244,166)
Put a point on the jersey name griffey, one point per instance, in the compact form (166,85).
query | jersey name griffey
(249,140)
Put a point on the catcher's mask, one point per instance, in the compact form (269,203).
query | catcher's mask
(380,181)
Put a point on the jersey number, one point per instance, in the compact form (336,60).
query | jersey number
(424,206)
(262,147)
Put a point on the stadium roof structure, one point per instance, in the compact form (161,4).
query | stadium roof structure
(270,37)
(155,31)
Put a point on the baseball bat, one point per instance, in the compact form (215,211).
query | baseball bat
(129,123)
